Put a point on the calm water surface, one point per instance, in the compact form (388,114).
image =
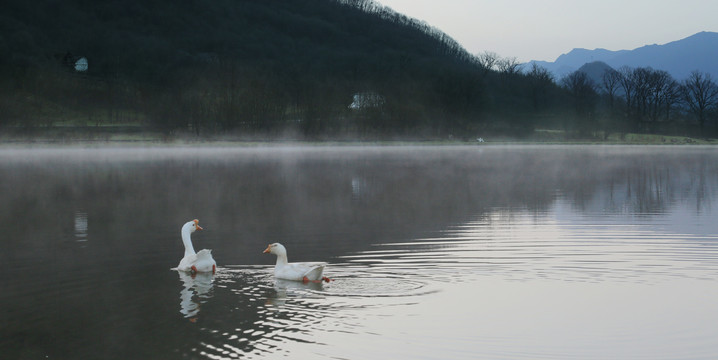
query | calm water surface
(436,252)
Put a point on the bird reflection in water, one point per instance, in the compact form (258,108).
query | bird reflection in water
(197,289)
(284,289)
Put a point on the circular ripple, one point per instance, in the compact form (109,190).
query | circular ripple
(375,287)
(347,281)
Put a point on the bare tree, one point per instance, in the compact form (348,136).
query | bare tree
(610,82)
(509,66)
(626,82)
(701,94)
(583,93)
(642,89)
(540,73)
(672,97)
(540,79)
(658,82)
(488,59)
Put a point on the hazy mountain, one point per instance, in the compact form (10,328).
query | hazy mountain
(679,58)
(595,70)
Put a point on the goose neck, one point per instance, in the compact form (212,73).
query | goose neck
(282,259)
(187,240)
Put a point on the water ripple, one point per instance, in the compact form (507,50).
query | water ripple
(404,285)
(526,246)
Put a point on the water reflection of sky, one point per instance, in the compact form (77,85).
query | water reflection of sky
(559,245)
(555,284)
(496,252)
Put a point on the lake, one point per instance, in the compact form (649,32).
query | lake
(435,252)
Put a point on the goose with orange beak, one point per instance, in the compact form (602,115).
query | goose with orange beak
(298,271)
(192,261)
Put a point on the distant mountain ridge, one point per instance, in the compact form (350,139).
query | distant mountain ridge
(679,58)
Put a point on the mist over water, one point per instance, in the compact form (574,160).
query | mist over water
(492,252)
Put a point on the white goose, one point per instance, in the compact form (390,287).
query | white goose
(300,271)
(195,262)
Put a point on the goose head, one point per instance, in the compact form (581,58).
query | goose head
(276,249)
(192,226)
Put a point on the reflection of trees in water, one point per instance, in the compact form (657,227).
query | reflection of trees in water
(702,193)
(321,203)
(649,189)
(341,199)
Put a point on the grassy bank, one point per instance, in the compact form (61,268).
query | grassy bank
(134,134)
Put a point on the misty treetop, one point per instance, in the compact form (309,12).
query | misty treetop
(260,66)
(643,100)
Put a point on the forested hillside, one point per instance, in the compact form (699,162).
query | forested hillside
(241,65)
(317,68)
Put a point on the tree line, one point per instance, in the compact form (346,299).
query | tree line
(643,99)
(230,66)
(318,68)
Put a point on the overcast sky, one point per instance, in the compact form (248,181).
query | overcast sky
(543,30)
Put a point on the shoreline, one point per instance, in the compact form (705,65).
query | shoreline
(89,144)
(64,138)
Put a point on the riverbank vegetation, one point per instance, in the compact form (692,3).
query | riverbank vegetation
(306,69)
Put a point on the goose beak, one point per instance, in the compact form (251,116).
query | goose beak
(196,223)
(267,250)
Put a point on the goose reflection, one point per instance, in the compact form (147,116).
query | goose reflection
(197,290)
(283,289)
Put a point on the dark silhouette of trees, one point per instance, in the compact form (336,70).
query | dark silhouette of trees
(660,84)
(648,97)
(629,88)
(610,82)
(642,90)
(672,99)
(541,81)
(700,92)
(610,85)
(582,91)
(508,66)
(488,60)
(239,66)
(296,66)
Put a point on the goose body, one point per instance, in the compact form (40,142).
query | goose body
(192,261)
(298,271)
